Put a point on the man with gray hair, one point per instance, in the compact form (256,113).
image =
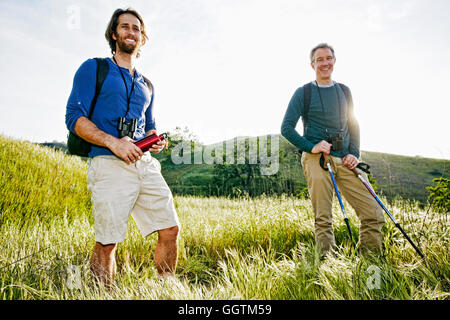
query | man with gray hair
(330,128)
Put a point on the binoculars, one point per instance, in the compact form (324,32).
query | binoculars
(126,128)
(337,140)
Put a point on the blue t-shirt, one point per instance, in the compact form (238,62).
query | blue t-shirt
(111,102)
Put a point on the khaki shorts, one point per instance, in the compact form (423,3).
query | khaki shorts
(119,189)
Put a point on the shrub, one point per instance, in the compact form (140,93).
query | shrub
(440,194)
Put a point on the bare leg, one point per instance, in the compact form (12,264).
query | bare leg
(166,252)
(103,262)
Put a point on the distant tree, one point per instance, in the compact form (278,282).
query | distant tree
(182,134)
(244,176)
(176,136)
(236,178)
(439,195)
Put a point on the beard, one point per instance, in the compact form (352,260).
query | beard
(126,47)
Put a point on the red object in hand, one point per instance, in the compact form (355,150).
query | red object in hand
(147,142)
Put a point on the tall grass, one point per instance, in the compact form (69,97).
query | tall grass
(40,182)
(247,248)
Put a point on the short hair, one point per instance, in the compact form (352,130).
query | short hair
(112,28)
(320,46)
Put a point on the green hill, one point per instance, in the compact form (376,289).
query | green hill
(40,182)
(396,175)
(405,176)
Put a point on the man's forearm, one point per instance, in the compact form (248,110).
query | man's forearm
(87,130)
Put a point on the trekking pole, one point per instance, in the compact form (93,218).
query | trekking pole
(372,192)
(327,161)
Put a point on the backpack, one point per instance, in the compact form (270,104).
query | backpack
(78,146)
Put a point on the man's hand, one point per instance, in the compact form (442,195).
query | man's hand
(159,146)
(350,161)
(322,146)
(125,149)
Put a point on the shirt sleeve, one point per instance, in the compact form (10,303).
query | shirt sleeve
(290,120)
(82,94)
(149,114)
(353,128)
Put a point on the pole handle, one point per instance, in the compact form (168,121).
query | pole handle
(324,161)
(325,156)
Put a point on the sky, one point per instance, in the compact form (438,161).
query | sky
(227,68)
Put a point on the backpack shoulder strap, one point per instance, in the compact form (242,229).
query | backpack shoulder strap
(102,72)
(306,103)
(348,96)
(149,85)
(150,88)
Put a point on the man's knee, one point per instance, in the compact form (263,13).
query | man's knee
(169,234)
(105,249)
(370,231)
(374,220)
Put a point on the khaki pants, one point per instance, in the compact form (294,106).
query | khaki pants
(321,190)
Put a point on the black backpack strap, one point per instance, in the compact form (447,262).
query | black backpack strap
(306,103)
(307,99)
(149,85)
(150,88)
(348,96)
(102,72)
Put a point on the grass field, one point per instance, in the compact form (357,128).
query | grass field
(243,248)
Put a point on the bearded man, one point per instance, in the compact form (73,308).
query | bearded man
(122,179)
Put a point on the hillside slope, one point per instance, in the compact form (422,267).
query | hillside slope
(32,177)
(395,175)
